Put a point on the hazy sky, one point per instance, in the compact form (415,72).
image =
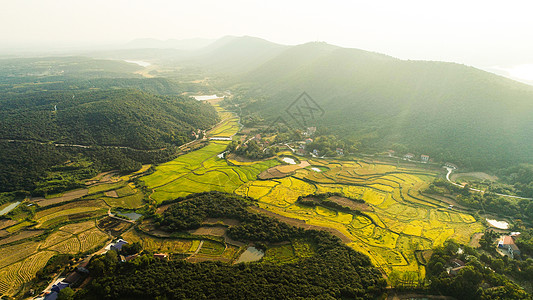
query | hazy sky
(482,33)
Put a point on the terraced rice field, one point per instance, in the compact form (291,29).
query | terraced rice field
(397,220)
(20,262)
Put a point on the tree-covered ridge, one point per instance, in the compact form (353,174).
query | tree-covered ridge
(115,118)
(191,212)
(336,271)
(449,111)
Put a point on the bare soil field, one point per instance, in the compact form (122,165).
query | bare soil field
(161,209)
(350,203)
(272,173)
(24,234)
(112,194)
(112,225)
(282,170)
(478,175)
(66,197)
(7,223)
(474,242)
(230,222)
(214,230)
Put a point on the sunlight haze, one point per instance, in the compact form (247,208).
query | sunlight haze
(481,33)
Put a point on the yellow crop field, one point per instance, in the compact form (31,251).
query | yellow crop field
(55,238)
(91,238)
(69,246)
(78,227)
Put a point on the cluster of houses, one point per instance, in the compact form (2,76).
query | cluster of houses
(423,157)
(78,276)
(456,266)
(507,243)
(73,279)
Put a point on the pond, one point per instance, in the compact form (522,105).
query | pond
(498,224)
(131,215)
(206,97)
(289,160)
(9,208)
(139,62)
(251,254)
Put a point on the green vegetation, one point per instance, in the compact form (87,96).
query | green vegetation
(475,281)
(486,202)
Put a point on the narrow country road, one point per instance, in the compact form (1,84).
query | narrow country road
(450,170)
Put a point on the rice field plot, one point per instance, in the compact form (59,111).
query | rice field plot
(6,223)
(113,226)
(55,238)
(280,254)
(75,214)
(69,212)
(218,177)
(69,246)
(18,226)
(21,235)
(14,253)
(106,187)
(212,248)
(91,238)
(15,275)
(159,244)
(184,164)
(133,201)
(78,227)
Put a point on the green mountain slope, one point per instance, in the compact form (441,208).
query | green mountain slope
(448,111)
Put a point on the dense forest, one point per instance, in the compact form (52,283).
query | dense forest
(335,272)
(125,121)
(127,118)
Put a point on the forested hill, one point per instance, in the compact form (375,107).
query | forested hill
(448,111)
(83,101)
(128,118)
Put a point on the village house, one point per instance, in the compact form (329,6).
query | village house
(308,141)
(409,156)
(424,158)
(310,131)
(161,256)
(118,244)
(339,151)
(506,242)
(454,271)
